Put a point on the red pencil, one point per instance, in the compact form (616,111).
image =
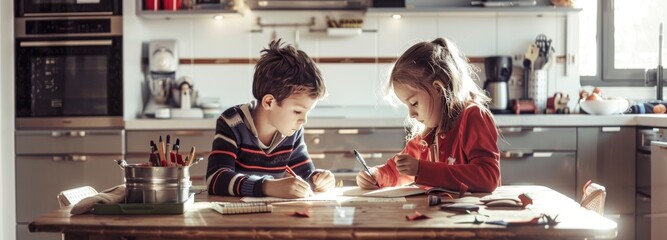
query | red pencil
(290,171)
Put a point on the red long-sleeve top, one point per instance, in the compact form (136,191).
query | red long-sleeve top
(467,160)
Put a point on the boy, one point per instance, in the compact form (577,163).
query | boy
(257,145)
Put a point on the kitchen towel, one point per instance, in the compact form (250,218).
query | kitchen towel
(112,195)
(644,108)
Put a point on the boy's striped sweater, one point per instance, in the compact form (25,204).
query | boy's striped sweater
(238,165)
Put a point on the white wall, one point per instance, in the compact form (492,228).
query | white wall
(7,201)
(477,34)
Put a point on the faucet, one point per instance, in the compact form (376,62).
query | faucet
(658,74)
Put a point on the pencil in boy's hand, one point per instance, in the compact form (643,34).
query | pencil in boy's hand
(290,171)
(293,174)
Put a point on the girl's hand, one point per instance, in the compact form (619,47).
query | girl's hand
(289,187)
(365,181)
(406,165)
(323,180)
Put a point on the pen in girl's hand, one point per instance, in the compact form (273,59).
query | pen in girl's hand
(361,160)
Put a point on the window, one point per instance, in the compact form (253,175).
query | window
(629,31)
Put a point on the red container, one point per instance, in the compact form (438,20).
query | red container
(172,5)
(152,5)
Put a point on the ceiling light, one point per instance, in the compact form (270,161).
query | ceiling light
(218,17)
(396,16)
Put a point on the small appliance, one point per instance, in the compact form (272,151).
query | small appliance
(162,66)
(498,71)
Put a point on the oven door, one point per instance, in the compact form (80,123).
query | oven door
(72,77)
(34,8)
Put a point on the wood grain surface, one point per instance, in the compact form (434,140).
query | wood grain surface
(371,220)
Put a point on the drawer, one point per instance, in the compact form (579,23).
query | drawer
(620,200)
(37,196)
(71,141)
(625,223)
(643,170)
(556,170)
(139,141)
(339,139)
(537,138)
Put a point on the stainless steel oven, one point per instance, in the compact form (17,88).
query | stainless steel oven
(37,8)
(69,72)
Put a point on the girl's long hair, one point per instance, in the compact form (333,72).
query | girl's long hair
(439,65)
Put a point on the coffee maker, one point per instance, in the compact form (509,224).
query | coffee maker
(498,71)
(161,75)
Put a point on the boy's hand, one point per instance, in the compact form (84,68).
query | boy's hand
(406,165)
(289,187)
(365,181)
(323,180)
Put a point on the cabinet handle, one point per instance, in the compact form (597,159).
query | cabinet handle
(188,133)
(313,131)
(611,129)
(542,154)
(365,155)
(68,133)
(515,154)
(510,129)
(70,158)
(318,156)
(348,131)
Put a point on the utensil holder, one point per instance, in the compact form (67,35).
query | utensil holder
(537,89)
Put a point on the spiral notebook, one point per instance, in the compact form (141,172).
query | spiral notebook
(226,208)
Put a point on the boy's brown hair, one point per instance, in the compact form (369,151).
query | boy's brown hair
(283,71)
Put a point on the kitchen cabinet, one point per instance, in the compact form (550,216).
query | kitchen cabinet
(48,162)
(606,155)
(541,156)
(332,148)
(658,189)
(138,150)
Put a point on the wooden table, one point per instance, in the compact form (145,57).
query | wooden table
(371,220)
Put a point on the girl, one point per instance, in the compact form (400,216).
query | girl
(453,135)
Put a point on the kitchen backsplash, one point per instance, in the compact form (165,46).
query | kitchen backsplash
(349,84)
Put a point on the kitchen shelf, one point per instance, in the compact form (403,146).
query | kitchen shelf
(185,13)
(195,13)
(343,32)
(539,10)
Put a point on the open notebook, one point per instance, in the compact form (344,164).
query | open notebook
(402,191)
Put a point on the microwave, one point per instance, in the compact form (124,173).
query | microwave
(38,8)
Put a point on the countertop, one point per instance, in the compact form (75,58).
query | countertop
(387,116)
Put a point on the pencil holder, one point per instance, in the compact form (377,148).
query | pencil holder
(148,184)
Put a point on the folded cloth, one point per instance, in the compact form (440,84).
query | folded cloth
(644,108)
(112,195)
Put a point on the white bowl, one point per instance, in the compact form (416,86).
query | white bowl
(604,107)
